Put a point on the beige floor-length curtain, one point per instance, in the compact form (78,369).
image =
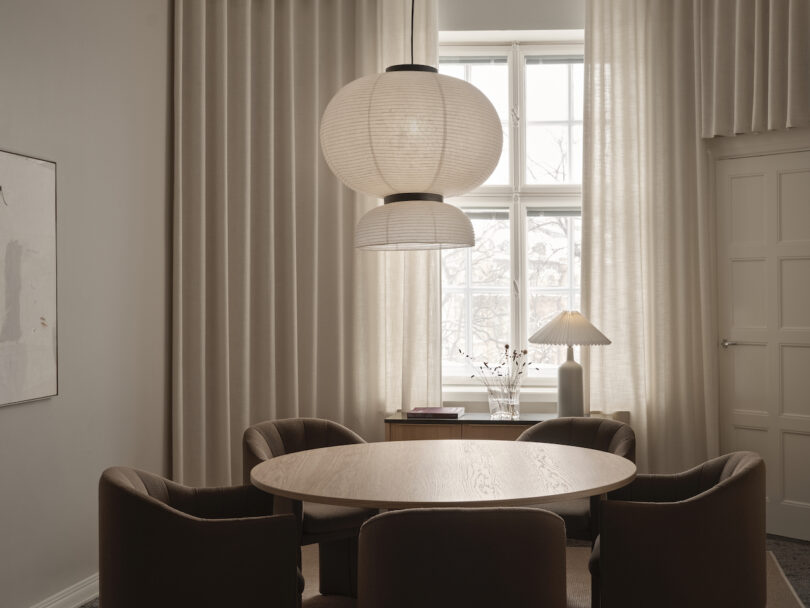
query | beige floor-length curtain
(275,313)
(647,266)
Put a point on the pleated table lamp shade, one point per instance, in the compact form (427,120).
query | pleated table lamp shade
(413,137)
(569,328)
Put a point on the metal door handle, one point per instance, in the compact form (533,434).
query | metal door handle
(725,343)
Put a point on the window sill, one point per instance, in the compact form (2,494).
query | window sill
(533,399)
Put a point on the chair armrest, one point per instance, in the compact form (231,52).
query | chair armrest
(258,556)
(660,488)
(229,502)
(667,553)
(267,543)
(640,525)
(193,561)
(647,553)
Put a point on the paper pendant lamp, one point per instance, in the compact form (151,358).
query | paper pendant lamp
(412,136)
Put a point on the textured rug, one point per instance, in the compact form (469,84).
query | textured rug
(780,593)
(793,555)
(794,558)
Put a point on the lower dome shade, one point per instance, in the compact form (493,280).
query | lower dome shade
(409,225)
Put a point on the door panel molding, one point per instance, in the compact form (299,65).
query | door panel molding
(765,390)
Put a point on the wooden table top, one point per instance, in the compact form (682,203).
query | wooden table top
(443,473)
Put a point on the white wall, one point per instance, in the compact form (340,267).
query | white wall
(511,14)
(86,83)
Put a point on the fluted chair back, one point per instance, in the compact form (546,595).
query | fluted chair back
(163,544)
(594,433)
(476,558)
(273,438)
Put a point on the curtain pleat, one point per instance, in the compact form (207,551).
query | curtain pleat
(754,61)
(647,263)
(275,313)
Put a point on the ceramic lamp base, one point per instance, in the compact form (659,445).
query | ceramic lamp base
(569,388)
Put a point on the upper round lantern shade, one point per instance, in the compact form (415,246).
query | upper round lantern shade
(411,131)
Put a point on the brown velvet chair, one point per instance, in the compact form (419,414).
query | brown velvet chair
(474,558)
(693,539)
(165,545)
(595,433)
(335,528)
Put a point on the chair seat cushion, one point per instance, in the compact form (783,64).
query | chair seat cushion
(593,562)
(575,513)
(330,519)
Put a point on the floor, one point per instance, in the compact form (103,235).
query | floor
(793,556)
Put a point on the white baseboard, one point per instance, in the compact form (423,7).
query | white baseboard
(74,596)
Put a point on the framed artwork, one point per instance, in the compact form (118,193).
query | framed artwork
(28,353)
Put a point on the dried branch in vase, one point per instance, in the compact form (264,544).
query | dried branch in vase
(505,377)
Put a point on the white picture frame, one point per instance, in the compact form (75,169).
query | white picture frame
(28,307)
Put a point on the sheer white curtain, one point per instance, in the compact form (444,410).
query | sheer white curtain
(648,259)
(659,75)
(275,313)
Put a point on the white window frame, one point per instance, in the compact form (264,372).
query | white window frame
(519,196)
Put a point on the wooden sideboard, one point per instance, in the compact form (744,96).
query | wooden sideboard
(469,426)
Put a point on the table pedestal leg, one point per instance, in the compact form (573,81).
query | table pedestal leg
(594,523)
(337,559)
(286,506)
(596,600)
(338,567)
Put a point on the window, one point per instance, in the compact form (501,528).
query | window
(553,114)
(525,267)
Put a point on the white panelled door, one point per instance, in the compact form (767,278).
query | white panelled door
(763,230)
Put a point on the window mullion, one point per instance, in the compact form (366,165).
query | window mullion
(486,289)
(553,291)
(516,74)
(570,118)
(468,299)
(518,246)
(515,288)
(570,223)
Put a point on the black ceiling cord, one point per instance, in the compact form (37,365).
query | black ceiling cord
(413,4)
(412,67)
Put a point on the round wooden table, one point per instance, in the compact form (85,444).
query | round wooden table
(442,473)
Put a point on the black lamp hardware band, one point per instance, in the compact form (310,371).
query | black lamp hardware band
(411,67)
(413,196)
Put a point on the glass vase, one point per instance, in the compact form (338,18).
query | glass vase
(504,404)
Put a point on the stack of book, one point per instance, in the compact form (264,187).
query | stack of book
(447,413)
